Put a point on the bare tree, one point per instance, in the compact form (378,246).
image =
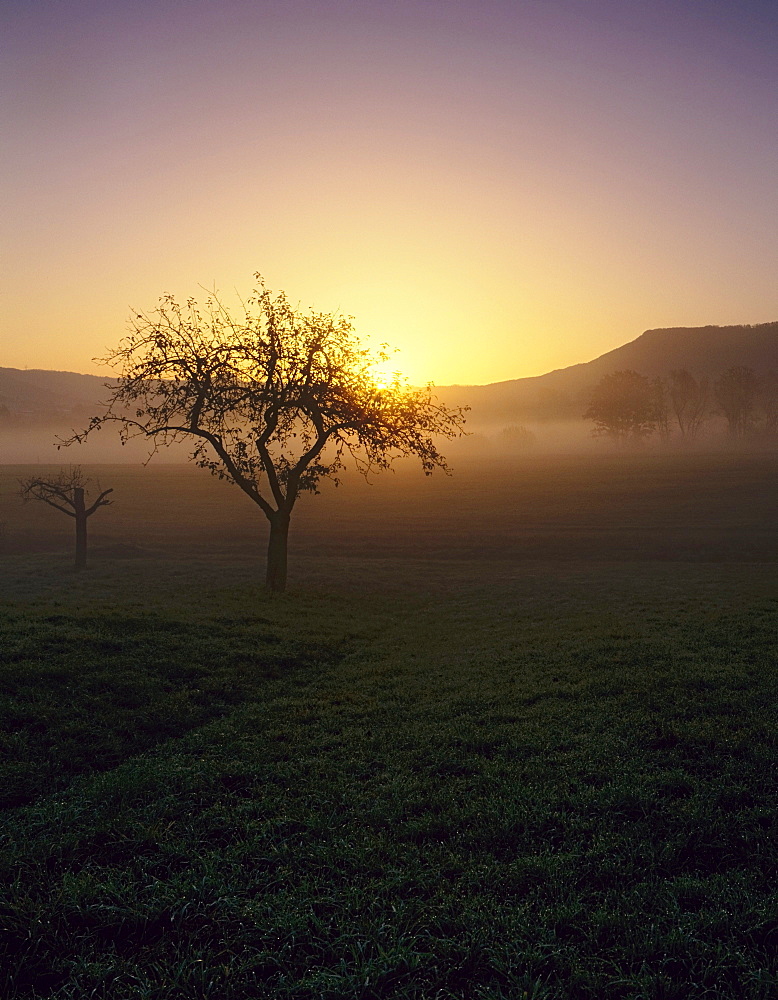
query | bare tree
(660,398)
(273,400)
(769,401)
(736,393)
(622,407)
(690,399)
(67,493)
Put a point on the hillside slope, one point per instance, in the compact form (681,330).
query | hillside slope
(564,393)
(41,394)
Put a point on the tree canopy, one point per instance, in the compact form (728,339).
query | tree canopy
(273,400)
(691,400)
(736,392)
(623,406)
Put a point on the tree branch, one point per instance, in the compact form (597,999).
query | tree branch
(99,502)
(248,487)
(51,503)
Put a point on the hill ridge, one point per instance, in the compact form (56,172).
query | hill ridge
(563,393)
(559,394)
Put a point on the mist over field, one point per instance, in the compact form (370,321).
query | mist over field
(38,445)
(540,415)
(482,440)
(601,506)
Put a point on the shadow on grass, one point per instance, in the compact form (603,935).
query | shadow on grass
(82,693)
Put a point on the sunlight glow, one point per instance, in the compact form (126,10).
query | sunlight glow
(495,189)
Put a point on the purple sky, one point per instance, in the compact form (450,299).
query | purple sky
(497,189)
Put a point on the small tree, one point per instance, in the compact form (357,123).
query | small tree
(736,393)
(273,401)
(622,407)
(690,399)
(67,493)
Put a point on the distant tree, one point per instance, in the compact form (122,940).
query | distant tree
(622,407)
(5,413)
(660,397)
(736,393)
(516,437)
(273,400)
(769,402)
(690,401)
(67,493)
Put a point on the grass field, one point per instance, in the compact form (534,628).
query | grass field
(509,735)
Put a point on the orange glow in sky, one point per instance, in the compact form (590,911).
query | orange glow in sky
(495,188)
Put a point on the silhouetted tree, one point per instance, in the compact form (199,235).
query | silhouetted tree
(5,413)
(622,407)
(274,401)
(769,400)
(736,393)
(690,399)
(516,437)
(660,397)
(67,493)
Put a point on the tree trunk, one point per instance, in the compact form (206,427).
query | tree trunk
(79,507)
(276,552)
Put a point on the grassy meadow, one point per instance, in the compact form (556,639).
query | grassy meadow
(510,735)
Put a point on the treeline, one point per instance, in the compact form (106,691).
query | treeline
(626,406)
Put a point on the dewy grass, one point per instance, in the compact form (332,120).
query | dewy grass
(440,767)
(553,784)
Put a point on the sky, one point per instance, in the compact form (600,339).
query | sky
(495,188)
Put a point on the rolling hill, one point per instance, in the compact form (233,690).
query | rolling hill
(564,393)
(40,395)
(60,397)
